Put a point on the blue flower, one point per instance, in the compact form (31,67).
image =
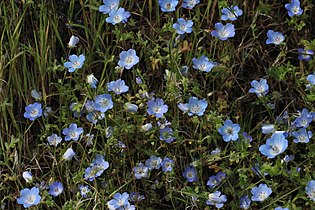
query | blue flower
(248,138)
(29,197)
(223,32)
(182,26)
(203,64)
(157,107)
(267,129)
(108,6)
(245,202)
(166,134)
(311,78)
(128,59)
(261,192)
(275,145)
(168,5)
(73,132)
(36,95)
(55,189)
(69,154)
(133,108)
(73,41)
(183,107)
(153,163)
(216,179)
(305,54)
(213,182)
(280,208)
(310,190)
(146,127)
(304,119)
(139,81)
(118,16)
(229,131)
(54,140)
(231,13)
(216,199)
(184,71)
(190,174)
(215,151)
(33,111)
(103,103)
(84,190)
(89,106)
(27,176)
(119,200)
(294,8)
(118,86)
(91,80)
(136,197)
(76,62)
(302,136)
(96,168)
(288,158)
(141,171)
(121,145)
(189,4)
(261,88)
(94,116)
(197,107)
(220,176)
(167,164)
(274,37)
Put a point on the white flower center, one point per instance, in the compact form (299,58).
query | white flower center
(117,18)
(260,89)
(129,60)
(34,113)
(140,170)
(191,3)
(304,122)
(30,199)
(229,131)
(120,202)
(231,15)
(154,163)
(275,149)
(223,33)
(54,142)
(195,109)
(156,109)
(112,6)
(190,174)
(75,64)
(183,27)
(168,6)
(262,196)
(104,102)
(295,10)
(302,138)
(278,39)
(117,89)
(73,134)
